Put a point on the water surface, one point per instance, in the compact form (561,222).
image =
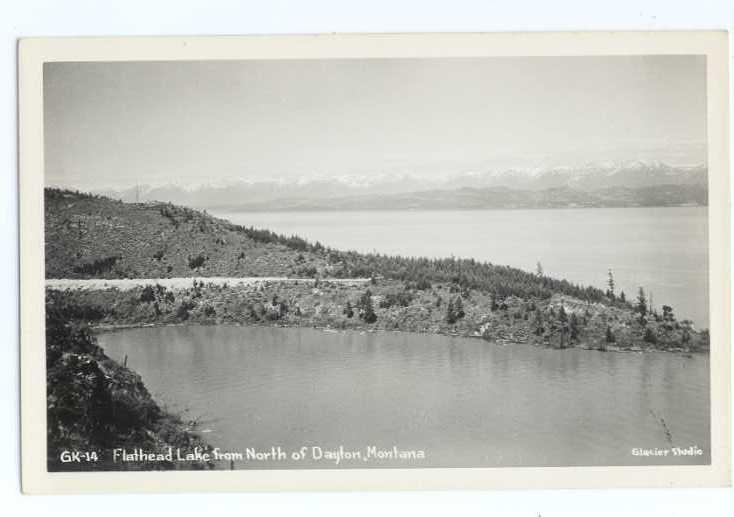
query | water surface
(663,250)
(465,402)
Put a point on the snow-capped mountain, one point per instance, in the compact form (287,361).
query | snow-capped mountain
(588,178)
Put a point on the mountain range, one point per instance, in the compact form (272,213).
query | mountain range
(637,183)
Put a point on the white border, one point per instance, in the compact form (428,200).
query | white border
(34,52)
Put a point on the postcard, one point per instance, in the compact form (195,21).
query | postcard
(385,261)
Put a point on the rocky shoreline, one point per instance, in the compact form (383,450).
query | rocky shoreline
(390,305)
(104,328)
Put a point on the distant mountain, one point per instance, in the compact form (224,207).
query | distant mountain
(533,187)
(496,198)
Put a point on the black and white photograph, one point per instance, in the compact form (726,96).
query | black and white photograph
(377,263)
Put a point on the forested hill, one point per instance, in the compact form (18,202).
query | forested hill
(89,236)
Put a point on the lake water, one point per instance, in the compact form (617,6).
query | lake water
(465,402)
(663,250)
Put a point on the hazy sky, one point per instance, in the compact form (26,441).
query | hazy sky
(115,124)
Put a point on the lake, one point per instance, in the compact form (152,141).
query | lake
(464,402)
(663,250)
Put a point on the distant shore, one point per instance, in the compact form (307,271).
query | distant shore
(432,207)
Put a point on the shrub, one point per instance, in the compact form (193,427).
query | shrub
(183,311)
(67,311)
(422,284)
(400,298)
(650,336)
(197,261)
(148,294)
(98,266)
(307,271)
(348,310)
(610,335)
(167,212)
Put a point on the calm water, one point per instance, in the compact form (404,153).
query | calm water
(664,250)
(465,402)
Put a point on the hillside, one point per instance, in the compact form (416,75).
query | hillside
(96,404)
(94,237)
(90,236)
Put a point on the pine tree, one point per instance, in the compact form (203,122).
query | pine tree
(368,313)
(641,306)
(574,327)
(563,318)
(348,310)
(459,308)
(668,313)
(685,337)
(610,335)
(610,283)
(539,326)
(450,313)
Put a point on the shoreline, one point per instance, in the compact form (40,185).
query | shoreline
(109,328)
(376,304)
(216,211)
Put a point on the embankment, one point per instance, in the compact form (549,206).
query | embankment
(96,405)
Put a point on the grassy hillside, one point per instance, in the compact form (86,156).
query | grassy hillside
(96,237)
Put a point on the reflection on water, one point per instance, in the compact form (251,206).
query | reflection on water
(465,402)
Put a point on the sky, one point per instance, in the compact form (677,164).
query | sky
(112,125)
